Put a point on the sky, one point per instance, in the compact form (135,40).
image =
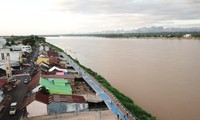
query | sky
(25,17)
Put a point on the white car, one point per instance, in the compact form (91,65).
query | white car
(13,108)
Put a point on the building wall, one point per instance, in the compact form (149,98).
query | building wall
(2,42)
(1,95)
(36,109)
(39,60)
(41,48)
(61,107)
(14,55)
(23,48)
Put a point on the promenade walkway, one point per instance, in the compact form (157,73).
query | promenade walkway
(109,99)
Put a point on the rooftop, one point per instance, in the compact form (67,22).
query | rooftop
(58,88)
(2,82)
(68,76)
(67,98)
(35,96)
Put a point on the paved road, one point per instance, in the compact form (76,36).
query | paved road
(20,91)
(18,95)
(119,111)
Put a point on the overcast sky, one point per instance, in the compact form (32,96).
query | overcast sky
(20,17)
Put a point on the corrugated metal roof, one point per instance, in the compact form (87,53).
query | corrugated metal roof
(34,82)
(68,76)
(35,96)
(67,98)
(52,53)
(53,89)
(2,82)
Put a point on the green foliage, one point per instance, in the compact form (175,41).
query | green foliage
(12,42)
(55,47)
(43,90)
(139,35)
(28,41)
(7,43)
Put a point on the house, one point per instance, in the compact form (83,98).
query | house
(53,54)
(15,57)
(54,68)
(23,48)
(44,47)
(1,95)
(2,83)
(187,35)
(53,104)
(66,103)
(43,64)
(54,61)
(41,59)
(2,72)
(2,42)
(54,85)
(36,100)
(41,48)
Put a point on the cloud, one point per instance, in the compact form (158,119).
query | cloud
(177,9)
(67,16)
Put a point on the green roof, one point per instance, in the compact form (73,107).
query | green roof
(59,81)
(63,62)
(58,87)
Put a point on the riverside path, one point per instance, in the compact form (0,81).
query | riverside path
(106,96)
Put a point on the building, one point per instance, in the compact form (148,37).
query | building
(41,59)
(53,104)
(36,104)
(14,57)
(2,42)
(23,48)
(2,83)
(187,35)
(54,85)
(66,103)
(2,71)
(8,67)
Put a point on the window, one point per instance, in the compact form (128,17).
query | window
(8,54)
(2,56)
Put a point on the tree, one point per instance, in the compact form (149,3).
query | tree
(43,90)
(12,42)
(30,42)
(8,44)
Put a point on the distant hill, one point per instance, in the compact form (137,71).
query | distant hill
(152,29)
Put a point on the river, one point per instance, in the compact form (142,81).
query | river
(160,75)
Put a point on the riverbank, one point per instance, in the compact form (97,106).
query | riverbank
(135,110)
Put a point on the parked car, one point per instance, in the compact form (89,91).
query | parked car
(13,108)
(26,81)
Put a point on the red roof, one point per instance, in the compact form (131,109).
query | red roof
(52,98)
(52,53)
(35,96)
(2,82)
(67,98)
(42,98)
(68,76)
(34,82)
(54,61)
